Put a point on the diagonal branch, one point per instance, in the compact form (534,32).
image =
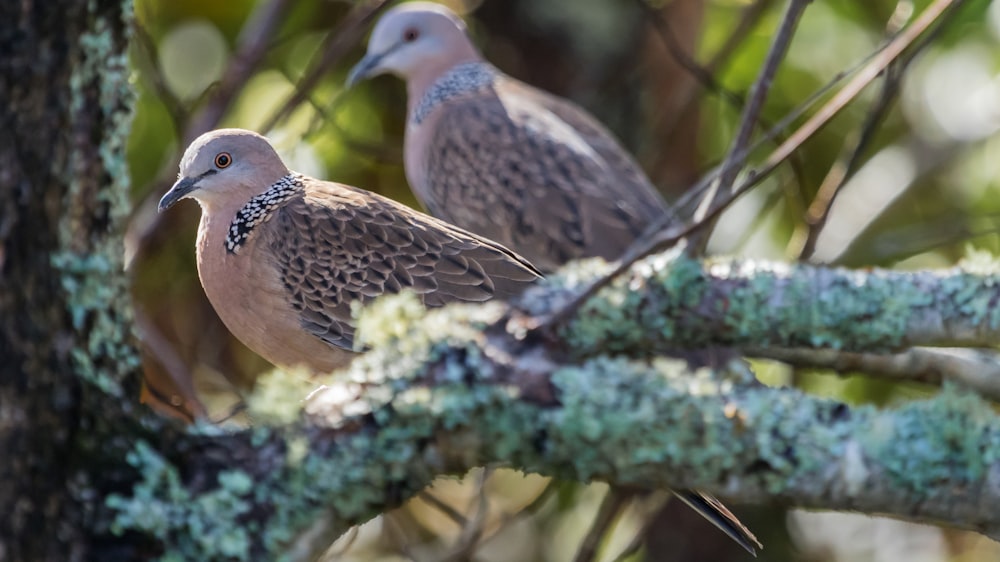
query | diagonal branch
(755,103)
(337,44)
(252,46)
(665,233)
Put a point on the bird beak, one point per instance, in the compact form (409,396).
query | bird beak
(368,66)
(180,190)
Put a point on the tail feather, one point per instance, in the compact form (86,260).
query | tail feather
(713,510)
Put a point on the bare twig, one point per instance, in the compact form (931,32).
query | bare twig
(472,533)
(390,152)
(749,19)
(663,233)
(818,212)
(803,245)
(606,515)
(336,45)
(978,369)
(148,59)
(702,74)
(398,534)
(755,103)
(254,39)
(639,539)
(440,505)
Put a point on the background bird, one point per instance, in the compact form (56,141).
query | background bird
(501,158)
(282,256)
(511,162)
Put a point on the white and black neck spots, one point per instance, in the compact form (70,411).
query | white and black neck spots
(258,210)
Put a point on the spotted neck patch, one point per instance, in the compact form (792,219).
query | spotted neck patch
(258,210)
(463,79)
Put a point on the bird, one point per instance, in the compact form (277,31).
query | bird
(501,158)
(518,165)
(282,256)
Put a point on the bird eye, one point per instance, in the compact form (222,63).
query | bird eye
(410,35)
(223,160)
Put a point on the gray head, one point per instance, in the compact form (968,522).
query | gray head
(225,166)
(413,40)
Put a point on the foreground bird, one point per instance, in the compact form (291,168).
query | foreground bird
(282,256)
(501,158)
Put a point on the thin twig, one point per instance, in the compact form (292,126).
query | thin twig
(703,75)
(606,515)
(755,103)
(336,45)
(252,46)
(472,533)
(327,116)
(844,168)
(818,212)
(393,528)
(663,233)
(253,43)
(149,62)
(749,19)
(440,505)
(337,553)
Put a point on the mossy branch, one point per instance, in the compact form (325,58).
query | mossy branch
(441,392)
(671,301)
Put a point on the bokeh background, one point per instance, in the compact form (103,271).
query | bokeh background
(914,164)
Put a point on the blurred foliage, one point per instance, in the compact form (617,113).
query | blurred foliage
(923,192)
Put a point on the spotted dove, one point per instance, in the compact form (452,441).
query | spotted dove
(508,161)
(282,256)
(503,159)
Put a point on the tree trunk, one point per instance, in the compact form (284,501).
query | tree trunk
(64,316)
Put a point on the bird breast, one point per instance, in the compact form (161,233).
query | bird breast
(247,294)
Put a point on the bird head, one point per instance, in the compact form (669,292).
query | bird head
(226,164)
(412,39)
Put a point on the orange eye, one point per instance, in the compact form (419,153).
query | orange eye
(223,160)
(410,35)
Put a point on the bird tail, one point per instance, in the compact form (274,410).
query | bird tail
(713,510)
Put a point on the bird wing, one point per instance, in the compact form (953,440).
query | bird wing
(528,174)
(335,244)
(597,136)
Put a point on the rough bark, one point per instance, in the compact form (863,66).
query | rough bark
(64,322)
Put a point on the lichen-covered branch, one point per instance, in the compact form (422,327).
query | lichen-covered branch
(437,396)
(670,301)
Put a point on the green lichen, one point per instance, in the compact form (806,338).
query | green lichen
(641,422)
(954,437)
(673,301)
(277,396)
(205,526)
(90,267)
(652,423)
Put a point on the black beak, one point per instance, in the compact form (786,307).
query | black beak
(365,68)
(180,190)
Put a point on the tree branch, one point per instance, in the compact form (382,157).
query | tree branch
(441,392)
(670,301)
